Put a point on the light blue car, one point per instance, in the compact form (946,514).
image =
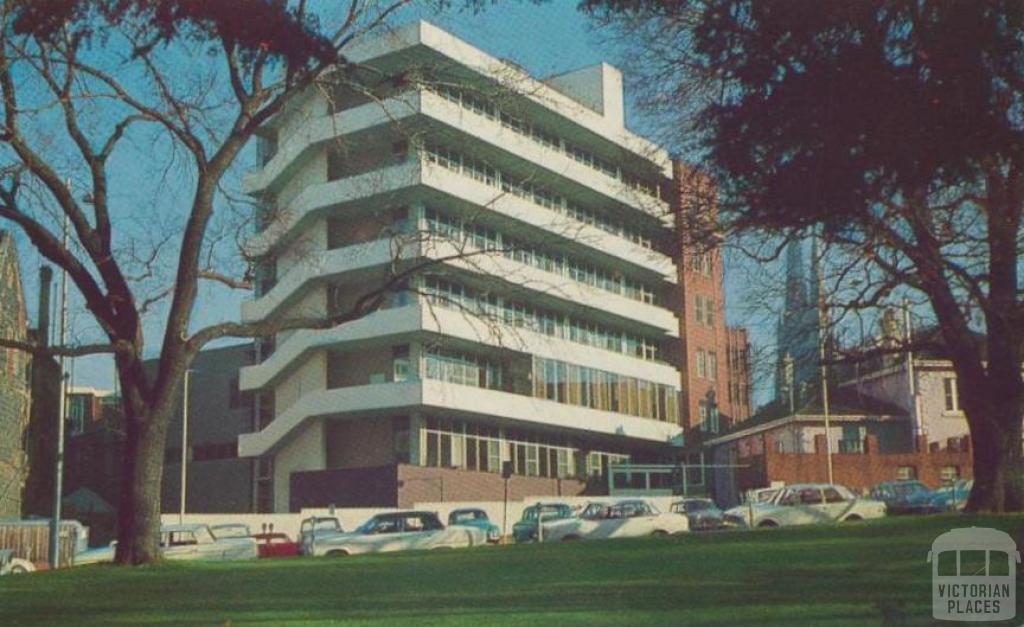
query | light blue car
(951,498)
(473,517)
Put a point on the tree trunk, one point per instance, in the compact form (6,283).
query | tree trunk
(996,440)
(138,518)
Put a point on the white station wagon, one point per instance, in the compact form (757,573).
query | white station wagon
(397,531)
(624,519)
(184,542)
(806,504)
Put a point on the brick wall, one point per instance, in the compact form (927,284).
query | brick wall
(854,470)
(403,485)
(420,484)
(700,276)
(344,487)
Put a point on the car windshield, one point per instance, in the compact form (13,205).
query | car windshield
(910,488)
(466,516)
(696,506)
(595,511)
(369,526)
(230,531)
(550,511)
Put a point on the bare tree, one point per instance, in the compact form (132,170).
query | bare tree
(79,80)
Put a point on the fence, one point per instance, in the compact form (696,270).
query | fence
(353,517)
(31,540)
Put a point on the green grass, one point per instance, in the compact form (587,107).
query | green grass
(859,574)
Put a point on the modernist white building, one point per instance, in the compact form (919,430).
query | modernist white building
(526,231)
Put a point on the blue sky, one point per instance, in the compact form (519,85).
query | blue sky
(546,39)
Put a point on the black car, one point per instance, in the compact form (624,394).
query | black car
(703,514)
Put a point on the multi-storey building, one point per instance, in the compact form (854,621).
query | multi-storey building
(517,250)
(14,381)
(217,479)
(739,394)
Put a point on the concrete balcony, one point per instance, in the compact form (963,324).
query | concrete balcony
(440,111)
(324,265)
(447,398)
(319,129)
(423,37)
(316,199)
(404,180)
(422,318)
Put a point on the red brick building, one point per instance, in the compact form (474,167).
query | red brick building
(714,357)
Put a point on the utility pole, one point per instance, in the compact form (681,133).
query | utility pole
(788,367)
(184,447)
(908,333)
(823,325)
(58,470)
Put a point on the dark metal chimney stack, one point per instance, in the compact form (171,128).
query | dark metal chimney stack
(45,278)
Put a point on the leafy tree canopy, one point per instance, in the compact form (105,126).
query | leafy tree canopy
(270,26)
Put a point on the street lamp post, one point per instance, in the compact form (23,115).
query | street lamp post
(184,447)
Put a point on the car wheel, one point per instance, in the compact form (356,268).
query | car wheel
(853,518)
(659,533)
(20,567)
(571,538)
(766,524)
(337,553)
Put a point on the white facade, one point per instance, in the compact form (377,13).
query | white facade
(934,410)
(530,247)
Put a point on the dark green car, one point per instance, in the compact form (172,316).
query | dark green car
(526,529)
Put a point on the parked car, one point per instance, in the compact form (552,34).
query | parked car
(951,498)
(231,530)
(901,497)
(398,531)
(623,519)
(10,565)
(317,527)
(276,544)
(804,504)
(184,542)
(477,518)
(761,495)
(525,530)
(702,514)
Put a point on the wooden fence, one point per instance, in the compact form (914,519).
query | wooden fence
(32,542)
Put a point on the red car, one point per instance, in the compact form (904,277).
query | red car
(275,545)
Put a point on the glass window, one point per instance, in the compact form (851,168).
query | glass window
(951,394)
(810,496)
(903,473)
(833,496)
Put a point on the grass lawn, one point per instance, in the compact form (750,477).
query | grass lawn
(871,573)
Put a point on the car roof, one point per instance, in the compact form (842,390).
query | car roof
(182,527)
(408,513)
(466,509)
(618,502)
